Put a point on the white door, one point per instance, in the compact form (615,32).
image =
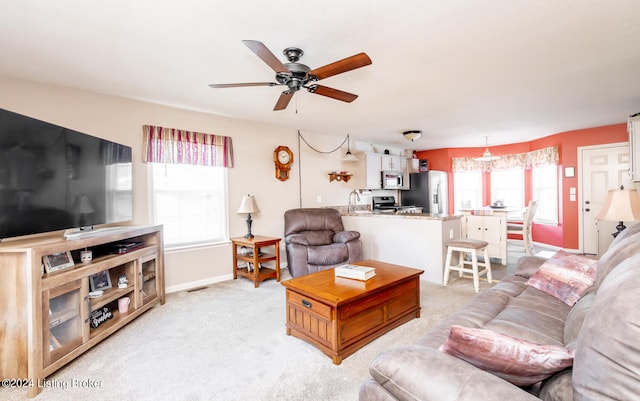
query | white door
(603,167)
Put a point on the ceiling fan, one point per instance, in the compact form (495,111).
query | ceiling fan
(296,75)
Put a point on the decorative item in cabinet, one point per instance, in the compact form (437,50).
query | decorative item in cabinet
(57,261)
(63,317)
(100,281)
(340,176)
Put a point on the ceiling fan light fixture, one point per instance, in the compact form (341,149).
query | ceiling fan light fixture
(296,75)
(412,135)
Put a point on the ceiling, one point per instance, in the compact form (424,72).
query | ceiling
(459,70)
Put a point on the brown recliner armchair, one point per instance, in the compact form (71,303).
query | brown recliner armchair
(315,240)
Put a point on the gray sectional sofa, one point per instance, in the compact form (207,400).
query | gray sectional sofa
(602,328)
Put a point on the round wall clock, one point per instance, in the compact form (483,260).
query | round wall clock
(283,158)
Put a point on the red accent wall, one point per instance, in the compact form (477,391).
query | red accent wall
(565,234)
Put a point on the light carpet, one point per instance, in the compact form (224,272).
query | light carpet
(228,342)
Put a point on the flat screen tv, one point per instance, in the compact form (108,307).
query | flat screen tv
(54,178)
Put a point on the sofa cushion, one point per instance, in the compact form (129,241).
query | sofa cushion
(624,246)
(558,387)
(565,276)
(607,356)
(414,372)
(533,316)
(518,361)
(575,318)
(528,265)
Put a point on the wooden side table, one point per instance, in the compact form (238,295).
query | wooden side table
(255,257)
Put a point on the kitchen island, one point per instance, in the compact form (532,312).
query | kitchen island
(407,239)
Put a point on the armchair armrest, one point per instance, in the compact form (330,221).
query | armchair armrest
(345,236)
(424,373)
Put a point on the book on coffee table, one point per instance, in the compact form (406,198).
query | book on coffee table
(355,271)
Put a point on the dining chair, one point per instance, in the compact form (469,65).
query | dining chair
(524,229)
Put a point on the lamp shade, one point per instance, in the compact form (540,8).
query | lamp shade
(248,205)
(412,135)
(82,204)
(349,157)
(621,205)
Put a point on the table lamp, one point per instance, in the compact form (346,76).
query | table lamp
(82,207)
(621,205)
(249,206)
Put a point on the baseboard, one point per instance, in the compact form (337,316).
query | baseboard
(200,283)
(208,281)
(547,247)
(555,248)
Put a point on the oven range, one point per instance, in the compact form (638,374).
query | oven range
(387,204)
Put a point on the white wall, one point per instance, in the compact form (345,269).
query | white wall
(121,120)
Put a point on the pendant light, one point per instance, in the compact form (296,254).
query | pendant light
(349,157)
(486,156)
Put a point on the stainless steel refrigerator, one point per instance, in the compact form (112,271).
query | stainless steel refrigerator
(429,190)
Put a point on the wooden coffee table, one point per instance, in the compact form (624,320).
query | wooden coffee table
(340,315)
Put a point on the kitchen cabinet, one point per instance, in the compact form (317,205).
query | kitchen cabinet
(393,163)
(633,126)
(375,163)
(373,166)
(490,228)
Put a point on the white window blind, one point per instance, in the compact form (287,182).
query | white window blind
(545,191)
(191,202)
(467,190)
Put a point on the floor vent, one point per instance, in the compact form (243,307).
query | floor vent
(197,289)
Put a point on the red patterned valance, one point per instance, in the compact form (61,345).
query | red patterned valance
(170,145)
(535,158)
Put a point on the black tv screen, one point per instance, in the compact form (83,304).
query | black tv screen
(54,178)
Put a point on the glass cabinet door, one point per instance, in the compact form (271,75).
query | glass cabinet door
(149,283)
(63,311)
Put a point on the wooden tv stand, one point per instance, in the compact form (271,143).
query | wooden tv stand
(45,318)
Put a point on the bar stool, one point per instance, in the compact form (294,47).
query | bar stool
(465,246)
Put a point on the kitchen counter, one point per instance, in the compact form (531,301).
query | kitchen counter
(407,239)
(423,216)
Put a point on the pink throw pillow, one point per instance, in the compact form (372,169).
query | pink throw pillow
(565,276)
(518,361)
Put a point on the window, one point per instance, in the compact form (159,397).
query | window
(508,186)
(545,191)
(191,202)
(119,204)
(467,190)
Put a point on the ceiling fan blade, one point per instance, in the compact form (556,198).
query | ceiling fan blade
(265,54)
(283,100)
(245,84)
(340,66)
(332,93)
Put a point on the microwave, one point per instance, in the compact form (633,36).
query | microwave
(392,179)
